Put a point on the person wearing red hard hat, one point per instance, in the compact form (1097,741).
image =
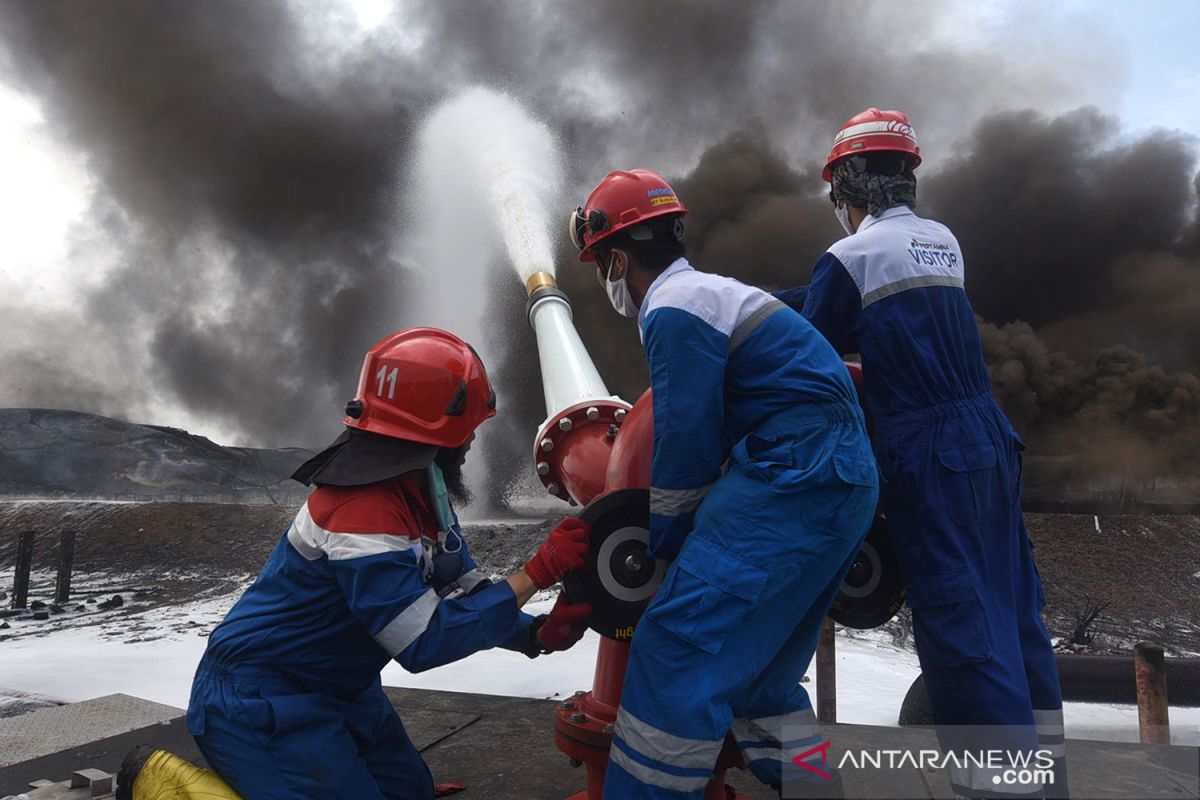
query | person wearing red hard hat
(287,701)
(762,490)
(893,291)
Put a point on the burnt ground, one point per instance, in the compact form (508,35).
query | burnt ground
(1145,568)
(158,556)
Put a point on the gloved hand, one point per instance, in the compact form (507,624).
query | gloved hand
(566,624)
(564,550)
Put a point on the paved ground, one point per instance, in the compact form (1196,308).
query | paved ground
(502,748)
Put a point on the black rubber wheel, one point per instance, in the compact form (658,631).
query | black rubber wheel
(621,578)
(915,709)
(873,590)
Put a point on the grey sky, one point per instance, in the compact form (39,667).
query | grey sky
(202,208)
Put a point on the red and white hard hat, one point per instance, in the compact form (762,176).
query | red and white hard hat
(873,130)
(422,385)
(623,199)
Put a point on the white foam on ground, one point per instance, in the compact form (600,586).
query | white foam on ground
(81,663)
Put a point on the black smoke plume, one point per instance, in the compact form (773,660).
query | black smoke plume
(249,176)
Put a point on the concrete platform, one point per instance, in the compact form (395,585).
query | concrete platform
(50,730)
(503,748)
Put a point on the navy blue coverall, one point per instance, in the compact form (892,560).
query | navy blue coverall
(950,464)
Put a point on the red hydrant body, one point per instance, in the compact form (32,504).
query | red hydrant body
(584,724)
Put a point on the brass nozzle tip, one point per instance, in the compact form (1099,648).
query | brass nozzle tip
(540,280)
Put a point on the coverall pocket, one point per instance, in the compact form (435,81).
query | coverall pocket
(767,457)
(968,479)
(706,595)
(949,621)
(856,467)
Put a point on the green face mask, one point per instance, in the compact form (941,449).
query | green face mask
(441,498)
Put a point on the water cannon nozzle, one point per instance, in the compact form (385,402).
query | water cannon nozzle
(540,280)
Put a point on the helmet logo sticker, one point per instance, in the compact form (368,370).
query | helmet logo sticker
(661,195)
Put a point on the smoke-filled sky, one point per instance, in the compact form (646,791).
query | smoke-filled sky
(205,223)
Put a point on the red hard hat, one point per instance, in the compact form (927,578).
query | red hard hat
(423,385)
(623,199)
(873,130)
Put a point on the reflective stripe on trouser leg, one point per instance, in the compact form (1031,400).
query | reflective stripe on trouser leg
(795,733)
(1052,736)
(975,781)
(1050,731)
(764,737)
(774,747)
(653,756)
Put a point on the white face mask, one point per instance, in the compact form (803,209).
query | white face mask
(621,299)
(619,296)
(842,213)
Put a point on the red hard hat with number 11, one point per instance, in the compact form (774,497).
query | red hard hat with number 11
(423,385)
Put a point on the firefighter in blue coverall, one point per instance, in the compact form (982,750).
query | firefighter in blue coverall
(950,462)
(763,487)
(287,701)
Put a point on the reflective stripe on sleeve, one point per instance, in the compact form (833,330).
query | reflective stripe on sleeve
(408,626)
(673,502)
(751,323)
(469,581)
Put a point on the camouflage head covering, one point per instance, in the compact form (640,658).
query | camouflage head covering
(855,186)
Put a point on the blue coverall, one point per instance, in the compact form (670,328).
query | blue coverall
(287,701)
(763,487)
(950,464)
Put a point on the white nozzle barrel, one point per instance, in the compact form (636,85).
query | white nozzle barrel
(568,375)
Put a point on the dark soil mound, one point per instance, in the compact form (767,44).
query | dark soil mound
(46,453)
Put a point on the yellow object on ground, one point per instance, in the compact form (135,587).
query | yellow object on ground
(150,773)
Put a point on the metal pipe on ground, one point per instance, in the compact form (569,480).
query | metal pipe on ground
(1087,679)
(1110,679)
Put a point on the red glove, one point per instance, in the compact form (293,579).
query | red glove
(565,625)
(564,550)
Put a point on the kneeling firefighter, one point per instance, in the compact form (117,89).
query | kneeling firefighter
(287,700)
